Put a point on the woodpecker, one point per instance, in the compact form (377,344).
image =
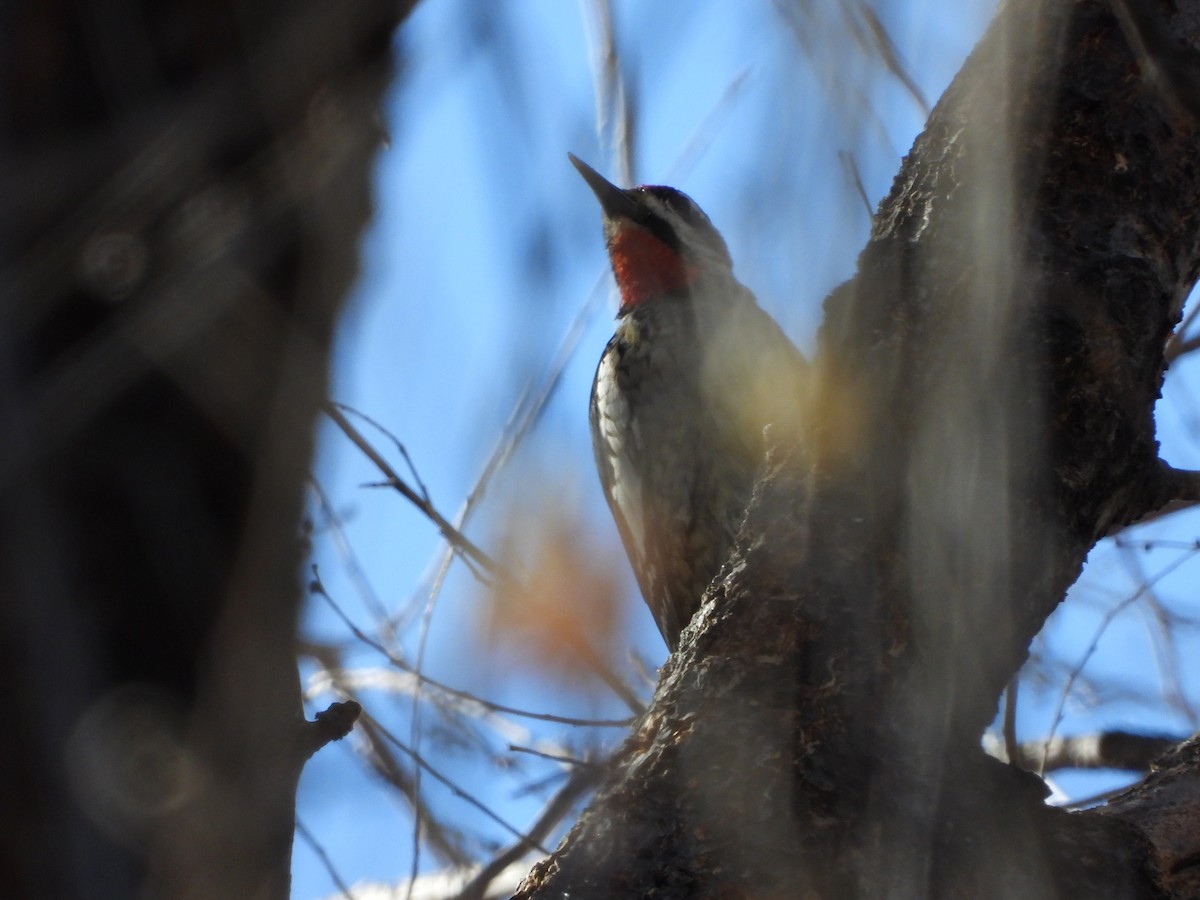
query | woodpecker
(693,374)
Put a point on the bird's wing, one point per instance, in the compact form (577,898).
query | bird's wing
(616,441)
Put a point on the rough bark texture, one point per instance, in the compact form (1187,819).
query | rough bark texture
(1164,807)
(989,381)
(183,188)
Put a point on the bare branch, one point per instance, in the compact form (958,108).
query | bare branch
(1108,619)
(891,57)
(317,587)
(317,848)
(1104,750)
(851,166)
(526,841)
(456,538)
(447,841)
(583,779)
(399,445)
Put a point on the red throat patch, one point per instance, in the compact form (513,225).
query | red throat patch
(645,267)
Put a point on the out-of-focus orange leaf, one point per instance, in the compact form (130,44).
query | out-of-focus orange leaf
(566,602)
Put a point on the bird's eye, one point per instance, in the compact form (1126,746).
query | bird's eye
(681,204)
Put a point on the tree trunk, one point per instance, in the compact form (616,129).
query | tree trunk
(183,184)
(984,417)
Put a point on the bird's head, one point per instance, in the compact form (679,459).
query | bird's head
(659,241)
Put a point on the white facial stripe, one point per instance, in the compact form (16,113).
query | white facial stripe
(697,241)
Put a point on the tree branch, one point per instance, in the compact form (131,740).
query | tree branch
(1104,750)
(987,381)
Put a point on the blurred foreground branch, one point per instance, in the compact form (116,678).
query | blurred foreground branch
(184,187)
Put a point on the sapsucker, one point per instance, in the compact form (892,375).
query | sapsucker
(683,394)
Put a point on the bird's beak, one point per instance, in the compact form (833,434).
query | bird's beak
(615,202)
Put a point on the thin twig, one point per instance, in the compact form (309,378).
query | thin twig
(615,114)
(589,655)
(1162,636)
(1095,642)
(1157,544)
(454,788)
(399,444)
(456,538)
(349,559)
(323,856)
(702,137)
(447,842)
(582,780)
(552,757)
(891,56)
(851,165)
(318,588)
(1011,747)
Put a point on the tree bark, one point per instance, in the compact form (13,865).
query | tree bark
(983,417)
(183,187)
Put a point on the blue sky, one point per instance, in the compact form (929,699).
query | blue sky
(485,248)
